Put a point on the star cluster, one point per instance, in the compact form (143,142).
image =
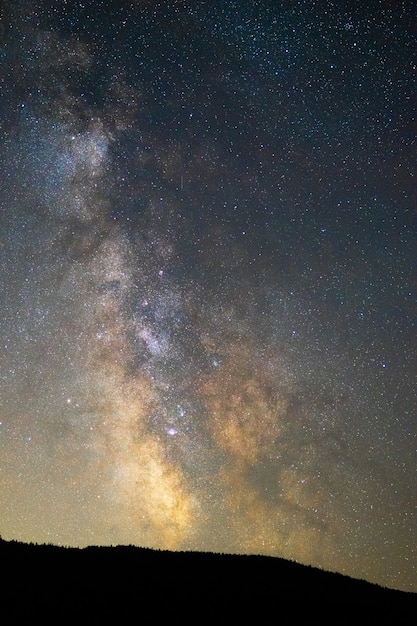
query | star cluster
(208,304)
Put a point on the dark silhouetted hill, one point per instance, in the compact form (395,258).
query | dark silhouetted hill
(124,583)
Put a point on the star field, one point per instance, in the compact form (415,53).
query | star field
(208,293)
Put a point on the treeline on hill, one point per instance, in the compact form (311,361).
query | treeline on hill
(103,578)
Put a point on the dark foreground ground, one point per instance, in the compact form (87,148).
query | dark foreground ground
(124,585)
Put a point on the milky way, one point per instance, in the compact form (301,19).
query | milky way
(207,306)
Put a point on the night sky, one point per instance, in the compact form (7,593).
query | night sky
(208,241)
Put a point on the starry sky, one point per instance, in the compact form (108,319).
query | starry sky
(208,244)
